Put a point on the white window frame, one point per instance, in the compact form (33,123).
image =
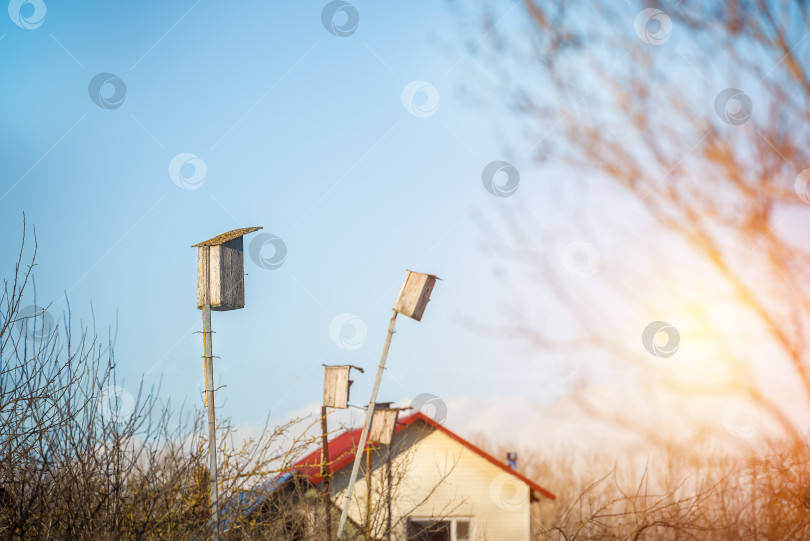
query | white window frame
(451,520)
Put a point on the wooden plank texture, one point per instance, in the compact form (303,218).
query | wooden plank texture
(382,425)
(415,294)
(336,387)
(221,275)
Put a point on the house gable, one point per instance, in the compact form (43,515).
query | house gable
(342,453)
(437,475)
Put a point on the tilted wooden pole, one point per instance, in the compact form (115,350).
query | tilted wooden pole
(364,434)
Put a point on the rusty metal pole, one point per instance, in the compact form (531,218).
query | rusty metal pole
(364,434)
(209,398)
(327,490)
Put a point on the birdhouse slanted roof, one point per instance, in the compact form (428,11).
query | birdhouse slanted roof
(225,237)
(426,273)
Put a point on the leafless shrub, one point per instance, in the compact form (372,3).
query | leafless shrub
(82,458)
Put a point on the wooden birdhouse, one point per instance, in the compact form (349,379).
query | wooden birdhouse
(383,423)
(221,271)
(415,294)
(336,384)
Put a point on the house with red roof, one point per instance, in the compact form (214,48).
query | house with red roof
(430,484)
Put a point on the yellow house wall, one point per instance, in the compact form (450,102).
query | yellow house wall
(439,477)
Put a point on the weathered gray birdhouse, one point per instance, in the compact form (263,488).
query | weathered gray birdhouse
(383,423)
(336,384)
(221,271)
(415,294)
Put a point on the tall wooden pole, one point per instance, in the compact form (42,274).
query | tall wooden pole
(209,395)
(327,482)
(388,492)
(364,434)
(368,495)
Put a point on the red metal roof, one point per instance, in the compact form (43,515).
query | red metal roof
(342,452)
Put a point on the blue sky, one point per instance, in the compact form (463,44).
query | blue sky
(364,154)
(301,132)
